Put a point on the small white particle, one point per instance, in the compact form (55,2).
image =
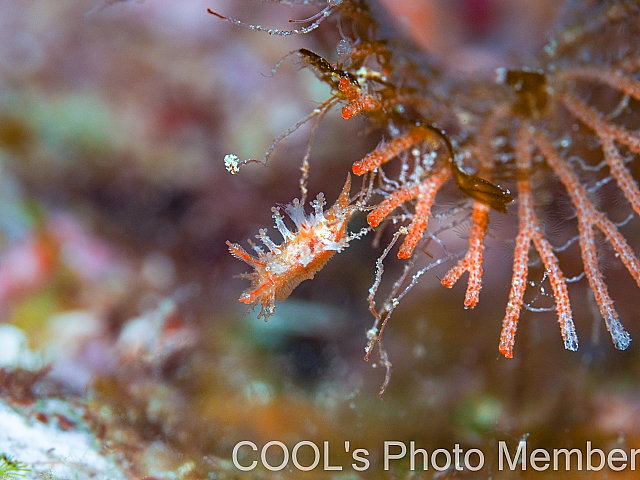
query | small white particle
(232,163)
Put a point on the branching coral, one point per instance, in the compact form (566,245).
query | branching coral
(530,231)
(520,132)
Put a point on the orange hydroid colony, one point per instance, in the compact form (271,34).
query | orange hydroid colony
(561,130)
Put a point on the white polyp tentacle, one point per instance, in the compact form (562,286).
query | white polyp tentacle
(256,249)
(295,210)
(337,246)
(318,205)
(282,228)
(262,235)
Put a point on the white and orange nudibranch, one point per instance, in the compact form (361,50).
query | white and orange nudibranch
(301,255)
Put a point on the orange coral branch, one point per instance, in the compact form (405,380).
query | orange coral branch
(472,261)
(588,217)
(607,133)
(393,201)
(358,101)
(608,76)
(425,192)
(387,151)
(601,127)
(529,231)
(363,103)
(622,175)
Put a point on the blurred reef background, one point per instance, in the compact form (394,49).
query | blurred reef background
(124,352)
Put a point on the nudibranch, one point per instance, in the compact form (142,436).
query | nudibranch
(318,236)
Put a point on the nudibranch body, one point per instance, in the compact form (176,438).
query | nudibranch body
(318,236)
